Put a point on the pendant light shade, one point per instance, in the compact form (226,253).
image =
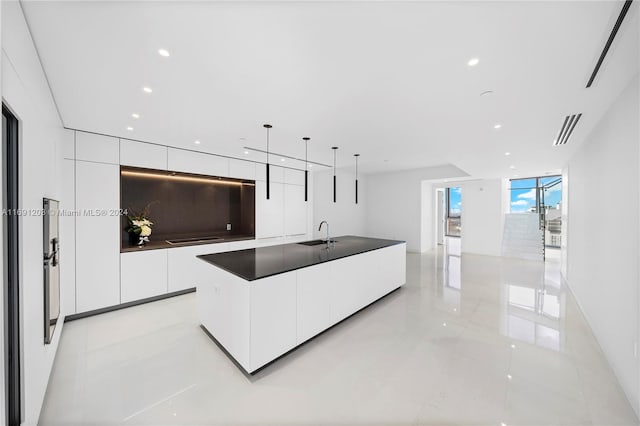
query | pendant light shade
(268,127)
(306,169)
(356,155)
(335,150)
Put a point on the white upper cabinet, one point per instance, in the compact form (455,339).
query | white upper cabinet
(68,238)
(269,213)
(276,174)
(68,145)
(240,169)
(98,148)
(196,162)
(294,177)
(295,210)
(141,154)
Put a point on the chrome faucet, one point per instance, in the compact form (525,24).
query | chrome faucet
(320,227)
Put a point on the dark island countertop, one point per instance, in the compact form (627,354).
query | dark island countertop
(262,262)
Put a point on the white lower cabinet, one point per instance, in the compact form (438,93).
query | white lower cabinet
(143,274)
(185,269)
(97,235)
(258,321)
(314,294)
(348,286)
(273,317)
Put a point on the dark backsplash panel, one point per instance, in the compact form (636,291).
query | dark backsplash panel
(188,205)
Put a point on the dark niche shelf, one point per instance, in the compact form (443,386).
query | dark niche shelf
(187,206)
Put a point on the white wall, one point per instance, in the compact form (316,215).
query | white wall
(345,217)
(482,215)
(603,252)
(400,206)
(26,92)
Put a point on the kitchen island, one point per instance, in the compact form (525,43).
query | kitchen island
(260,303)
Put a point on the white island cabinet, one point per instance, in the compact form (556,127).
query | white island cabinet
(259,304)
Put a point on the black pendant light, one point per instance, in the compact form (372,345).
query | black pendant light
(356,155)
(267,126)
(306,169)
(335,150)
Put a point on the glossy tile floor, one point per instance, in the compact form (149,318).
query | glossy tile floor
(468,340)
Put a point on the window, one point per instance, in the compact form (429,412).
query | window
(454,212)
(532,194)
(454,202)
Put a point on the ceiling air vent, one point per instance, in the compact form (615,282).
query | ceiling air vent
(567,129)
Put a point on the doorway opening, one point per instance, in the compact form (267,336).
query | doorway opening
(11,293)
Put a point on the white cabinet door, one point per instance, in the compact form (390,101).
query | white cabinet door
(294,177)
(185,269)
(269,213)
(240,169)
(68,239)
(197,162)
(140,154)
(295,210)
(314,295)
(68,145)
(273,317)
(224,309)
(143,274)
(346,286)
(276,173)
(99,148)
(97,235)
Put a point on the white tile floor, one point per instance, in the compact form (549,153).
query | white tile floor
(468,340)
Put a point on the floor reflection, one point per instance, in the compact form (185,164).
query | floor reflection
(532,298)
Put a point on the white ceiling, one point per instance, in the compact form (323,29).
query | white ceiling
(388,80)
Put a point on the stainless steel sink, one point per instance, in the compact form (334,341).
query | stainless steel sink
(316,242)
(179,241)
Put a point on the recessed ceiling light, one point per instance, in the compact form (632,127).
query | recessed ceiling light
(134,115)
(282,159)
(129,128)
(473,62)
(513,346)
(163,52)
(509,376)
(147,89)
(507,154)
(497,126)
(196,142)
(310,165)
(246,153)
(512,167)
(444,324)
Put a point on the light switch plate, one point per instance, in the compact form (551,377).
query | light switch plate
(228,227)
